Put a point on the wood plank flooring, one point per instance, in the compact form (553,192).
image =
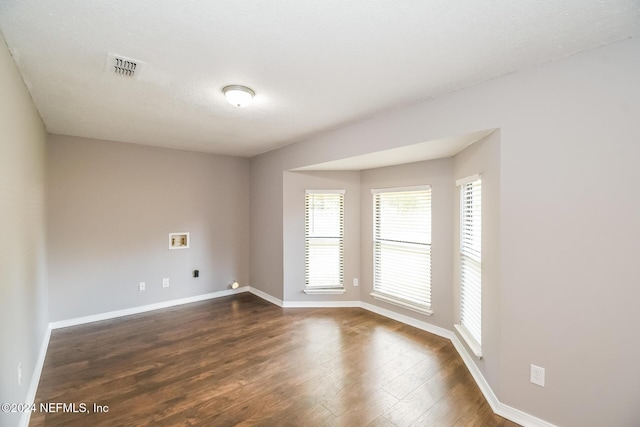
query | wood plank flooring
(242,361)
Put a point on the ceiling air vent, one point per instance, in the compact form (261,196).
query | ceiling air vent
(123,66)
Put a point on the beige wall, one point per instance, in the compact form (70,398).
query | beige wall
(294,186)
(23,283)
(569,224)
(111,207)
(266,228)
(438,174)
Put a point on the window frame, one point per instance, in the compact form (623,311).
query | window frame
(423,307)
(337,288)
(470,264)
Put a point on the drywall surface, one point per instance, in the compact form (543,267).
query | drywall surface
(111,207)
(482,158)
(294,186)
(437,174)
(23,283)
(569,223)
(266,228)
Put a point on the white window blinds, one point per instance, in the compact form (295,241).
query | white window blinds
(324,239)
(402,246)
(471,260)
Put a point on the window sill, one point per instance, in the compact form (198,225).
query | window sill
(335,291)
(415,307)
(469,340)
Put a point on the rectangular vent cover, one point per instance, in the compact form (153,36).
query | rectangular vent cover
(123,66)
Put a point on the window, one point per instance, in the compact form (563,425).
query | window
(402,247)
(471,262)
(324,241)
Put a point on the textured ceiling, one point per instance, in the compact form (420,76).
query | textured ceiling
(314,65)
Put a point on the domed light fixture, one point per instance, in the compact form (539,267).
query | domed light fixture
(238,95)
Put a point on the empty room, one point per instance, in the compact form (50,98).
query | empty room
(297,213)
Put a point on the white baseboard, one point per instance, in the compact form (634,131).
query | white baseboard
(425,326)
(37,372)
(265,296)
(520,417)
(35,377)
(144,308)
(320,304)
(484,386)
(499,408)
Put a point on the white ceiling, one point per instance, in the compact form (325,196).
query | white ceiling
(314,65)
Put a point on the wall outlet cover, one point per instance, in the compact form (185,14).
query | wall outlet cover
(536,375)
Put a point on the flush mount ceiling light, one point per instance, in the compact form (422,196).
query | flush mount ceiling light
(238,95)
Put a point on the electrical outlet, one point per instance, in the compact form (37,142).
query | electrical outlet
(19,373)
(142,286)
(537,375)
(355,282)
(165,282)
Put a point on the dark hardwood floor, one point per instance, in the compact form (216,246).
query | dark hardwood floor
(242,361)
